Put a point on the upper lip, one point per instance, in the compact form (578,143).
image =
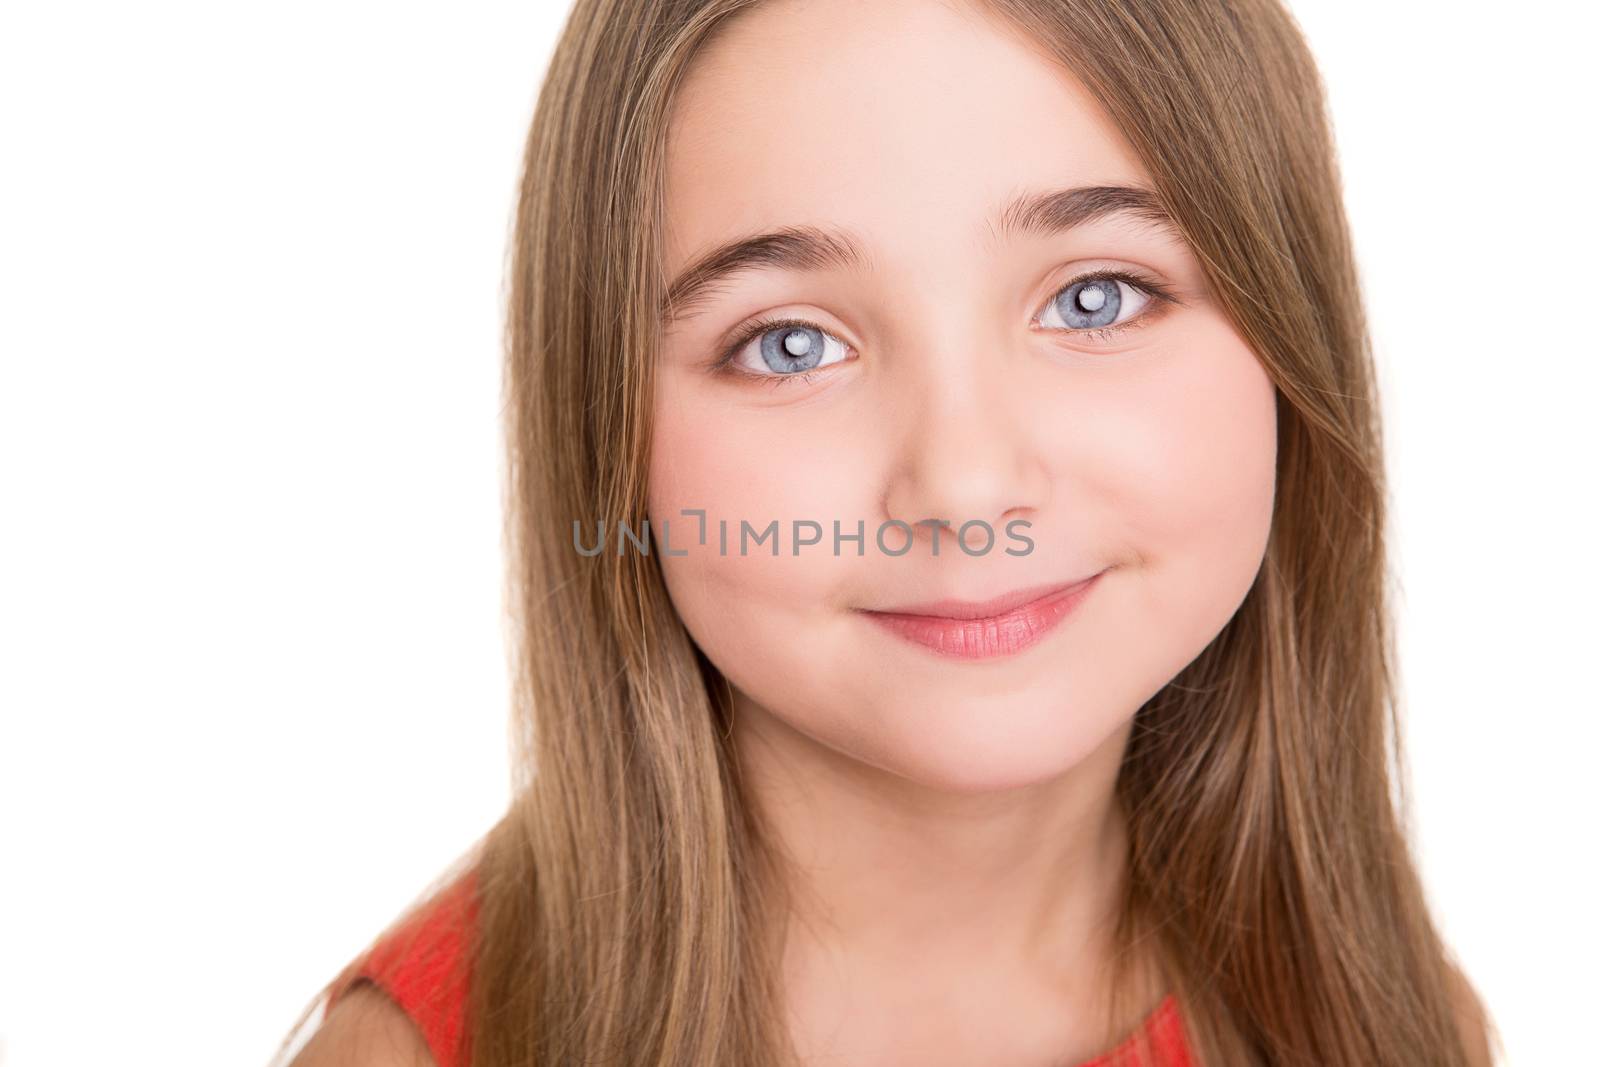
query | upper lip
(984,609)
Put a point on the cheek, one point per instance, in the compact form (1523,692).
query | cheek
(1215,502)
(1188,475)
(734,461)
(745,464)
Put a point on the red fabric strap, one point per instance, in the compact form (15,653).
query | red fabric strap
(1163,1029)
(424,965)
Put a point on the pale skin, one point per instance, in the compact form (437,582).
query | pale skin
(951,822)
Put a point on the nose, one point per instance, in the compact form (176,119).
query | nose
(965,452)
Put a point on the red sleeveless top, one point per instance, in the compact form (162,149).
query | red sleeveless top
(424,967)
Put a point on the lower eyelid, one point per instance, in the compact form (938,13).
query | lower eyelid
(785,379)
(777,380)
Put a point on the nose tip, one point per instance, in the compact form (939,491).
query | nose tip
(971,492)
(973,464)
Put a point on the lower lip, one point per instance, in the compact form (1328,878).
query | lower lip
(999,635)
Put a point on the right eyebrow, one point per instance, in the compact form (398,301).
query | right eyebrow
(813,248)
(795,248)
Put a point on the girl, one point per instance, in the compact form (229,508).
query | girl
(946,528)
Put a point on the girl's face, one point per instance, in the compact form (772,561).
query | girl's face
(921,161)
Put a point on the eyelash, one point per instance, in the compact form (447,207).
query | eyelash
(1152,289)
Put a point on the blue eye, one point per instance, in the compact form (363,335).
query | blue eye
(793,348)
(1093,304)
(1097,306)
(784,348)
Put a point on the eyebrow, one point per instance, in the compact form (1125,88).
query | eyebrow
(815,248)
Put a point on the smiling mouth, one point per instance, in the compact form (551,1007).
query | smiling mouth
(1000,626)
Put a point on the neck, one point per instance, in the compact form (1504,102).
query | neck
(900,885)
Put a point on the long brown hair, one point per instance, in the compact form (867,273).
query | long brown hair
(629,904)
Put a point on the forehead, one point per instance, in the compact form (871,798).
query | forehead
(904,120)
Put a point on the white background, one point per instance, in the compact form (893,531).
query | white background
(251,667)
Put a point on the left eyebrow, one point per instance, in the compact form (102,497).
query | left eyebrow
(1060,210)
(813,248)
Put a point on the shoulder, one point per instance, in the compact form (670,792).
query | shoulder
(402,1003)
(1472,1019)
(365,1028)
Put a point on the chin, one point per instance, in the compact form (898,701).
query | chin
(980,745)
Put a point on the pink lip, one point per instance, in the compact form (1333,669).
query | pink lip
(1001,626)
